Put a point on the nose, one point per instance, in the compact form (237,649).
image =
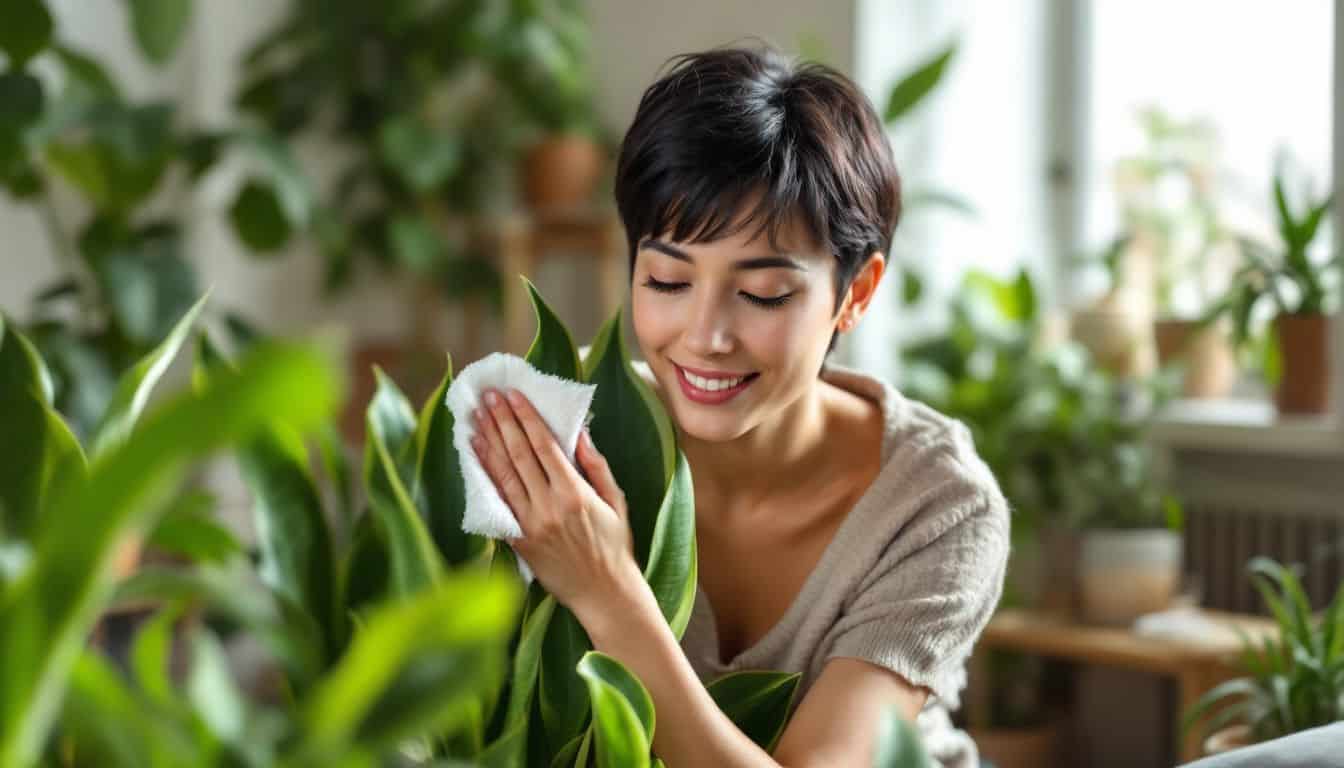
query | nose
(709,331)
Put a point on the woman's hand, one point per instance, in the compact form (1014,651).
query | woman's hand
(576,534)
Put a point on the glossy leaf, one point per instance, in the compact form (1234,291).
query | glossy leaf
(259,218)
(673,567)
(415,563)
(623,718)
(136,385)
(626,432)
(552,349)
(916,86)
(47,614)
(415,665)
(564,698)
(439,479)
(39,453)
(212,692)
(758,702)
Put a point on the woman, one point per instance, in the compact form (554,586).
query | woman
(844,532)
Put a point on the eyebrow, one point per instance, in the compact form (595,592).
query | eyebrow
(757,262)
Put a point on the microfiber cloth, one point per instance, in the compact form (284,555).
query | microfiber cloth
(563,405)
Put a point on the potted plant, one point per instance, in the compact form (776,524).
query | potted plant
(387,636)
(1169,208)
(1294,677)
(1300,288)
(543,60)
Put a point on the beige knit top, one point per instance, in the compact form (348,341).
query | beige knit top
(909,580)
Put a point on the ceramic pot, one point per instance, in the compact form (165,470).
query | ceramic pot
(1124,574)
(562,172)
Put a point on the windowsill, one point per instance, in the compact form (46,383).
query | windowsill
(1246,425)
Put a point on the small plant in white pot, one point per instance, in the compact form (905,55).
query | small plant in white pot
(1131,520)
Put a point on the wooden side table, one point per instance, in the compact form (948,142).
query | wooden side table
(1196,666)
(519,242)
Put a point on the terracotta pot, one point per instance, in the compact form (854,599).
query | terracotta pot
(1211,363)
(1147,562)
(1118,339)
(1227,739)
(1304,345)
(1018,747)
(562,172)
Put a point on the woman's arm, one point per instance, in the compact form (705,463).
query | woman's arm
(835,725)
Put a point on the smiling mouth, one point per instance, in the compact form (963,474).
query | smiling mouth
(712,389)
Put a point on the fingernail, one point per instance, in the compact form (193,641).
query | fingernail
(514,397)
(491,399)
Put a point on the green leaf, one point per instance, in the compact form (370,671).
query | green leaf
(21,101)
(48,614)
(623,717)
(259,218)
(912,286)
(439,479)
(288,633)
(297,553)
(914,87)
(135,386)
(26,31)
(212,692)
(626,432)
(563,700)
(758,702)
(673,566)
(150,655)
(81,166)
(415,665)
(366,572)
(158,26)
(527,663)
(423,157)
(898,744)
(391,433)
(87,73)
(336,466)
(414,243)
(552,349)
(109,725)
(39,452)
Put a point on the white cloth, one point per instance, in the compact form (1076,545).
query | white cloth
(563,405)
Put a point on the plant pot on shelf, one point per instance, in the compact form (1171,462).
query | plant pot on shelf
(1206,350)
(1227,739)
(1124,574)
(562,172)
(1304,349)
(1117,332)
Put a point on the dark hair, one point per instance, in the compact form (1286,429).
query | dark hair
(724,125)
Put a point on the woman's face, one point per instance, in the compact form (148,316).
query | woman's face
(734,331)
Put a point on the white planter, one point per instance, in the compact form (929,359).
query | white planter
(1125,574)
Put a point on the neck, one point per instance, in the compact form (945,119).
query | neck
(780,453)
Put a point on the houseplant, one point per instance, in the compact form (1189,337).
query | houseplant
(1170,211)
(1300,289)
(1294,678)
(398,638)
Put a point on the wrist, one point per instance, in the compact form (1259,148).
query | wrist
(613,610)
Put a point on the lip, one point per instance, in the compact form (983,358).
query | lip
(696,395)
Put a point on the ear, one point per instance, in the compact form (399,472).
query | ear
(861,292)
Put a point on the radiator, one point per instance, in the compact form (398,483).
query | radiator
(1221,538)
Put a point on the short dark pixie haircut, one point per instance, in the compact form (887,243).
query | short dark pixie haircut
(726,124)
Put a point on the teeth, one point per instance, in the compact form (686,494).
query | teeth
(712,385)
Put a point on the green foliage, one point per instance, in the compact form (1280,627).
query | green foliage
(382,644)
(1295,677)
(1290,277)
(1066,441)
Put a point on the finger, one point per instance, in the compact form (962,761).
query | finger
(598,472)
(544,444)
(489,446)
(517,447)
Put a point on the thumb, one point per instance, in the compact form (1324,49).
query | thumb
(598,472)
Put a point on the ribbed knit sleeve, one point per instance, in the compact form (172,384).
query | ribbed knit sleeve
(935,585)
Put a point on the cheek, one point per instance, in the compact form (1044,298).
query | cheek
(652,325)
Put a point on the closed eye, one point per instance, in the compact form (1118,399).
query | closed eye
(771,302)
